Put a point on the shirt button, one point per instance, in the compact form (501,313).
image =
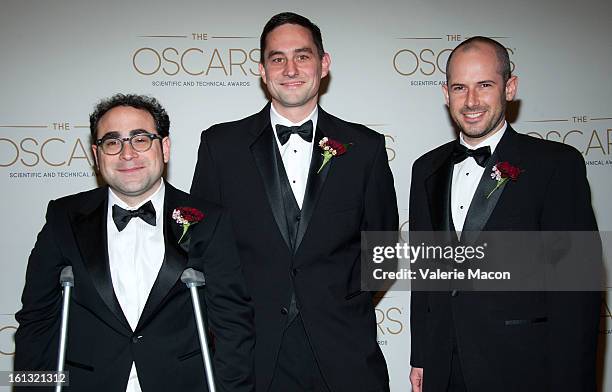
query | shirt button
(461,207)
(467,174)
(284,311)
(294,181)
(136,339)
(297,218)
(295,271)
(295,151)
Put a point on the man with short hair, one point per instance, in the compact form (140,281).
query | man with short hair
(131,324)
(298,217)
(499,341)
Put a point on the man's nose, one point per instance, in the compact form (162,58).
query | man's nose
(291,68)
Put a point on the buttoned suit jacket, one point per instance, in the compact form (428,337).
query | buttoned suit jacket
(507,341)
(237,167)
(101,345)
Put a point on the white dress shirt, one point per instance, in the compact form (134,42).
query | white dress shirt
(466,176)
(296,153)
(135,256)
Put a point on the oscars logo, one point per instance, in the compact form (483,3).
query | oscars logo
(389,321)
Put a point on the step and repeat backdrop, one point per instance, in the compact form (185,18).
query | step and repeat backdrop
(199,58)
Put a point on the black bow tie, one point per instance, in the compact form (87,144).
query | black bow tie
(122,217)
(480,155)
(304,130)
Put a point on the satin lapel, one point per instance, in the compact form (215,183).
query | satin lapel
(438,187)
(482,207)
(314,185)
(264,152)
(91,237)
(175,257)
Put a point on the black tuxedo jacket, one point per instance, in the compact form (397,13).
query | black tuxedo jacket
(237,168)
(507,341)
(101,345)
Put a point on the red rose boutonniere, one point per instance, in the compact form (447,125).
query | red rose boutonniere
(502,172)
(186,216)
(331,148)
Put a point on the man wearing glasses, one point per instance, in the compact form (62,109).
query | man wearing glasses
(131,326)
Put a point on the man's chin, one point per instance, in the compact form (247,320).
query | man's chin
(293,103)
(131,190)
(475,131)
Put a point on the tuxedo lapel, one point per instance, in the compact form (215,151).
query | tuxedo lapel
(482,206)
(315,182)
(175,257)
(438,187)
(91,236)
(263,149)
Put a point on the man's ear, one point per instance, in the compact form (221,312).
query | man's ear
(445,92)
(262,73)
(166,148)
(94,151)
(325,64)
(511,86)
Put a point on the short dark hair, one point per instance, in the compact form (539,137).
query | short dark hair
(290,18)
(143,102)
(502,54)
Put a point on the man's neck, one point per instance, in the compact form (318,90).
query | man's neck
(295,114)
(134,201)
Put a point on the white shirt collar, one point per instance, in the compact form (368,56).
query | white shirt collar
(491,141)
(156,198)
(277,118)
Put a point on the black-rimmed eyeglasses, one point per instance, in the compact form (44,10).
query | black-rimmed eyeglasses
(141,142)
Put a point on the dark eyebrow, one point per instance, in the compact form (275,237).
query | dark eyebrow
(110,134)
(138,131)
(302,50)
(274,53)
(116,134)
(486,81)
(299,50)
